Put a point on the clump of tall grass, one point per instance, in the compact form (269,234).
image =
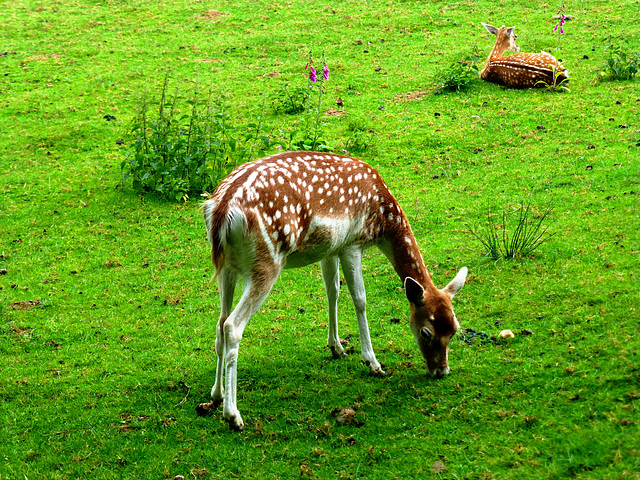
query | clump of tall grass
(513,233)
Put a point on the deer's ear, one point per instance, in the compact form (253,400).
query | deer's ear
(414,291)
(510,31)
(457,283)
(490,29)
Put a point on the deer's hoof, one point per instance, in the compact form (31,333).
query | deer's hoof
(338,352)
(235,423)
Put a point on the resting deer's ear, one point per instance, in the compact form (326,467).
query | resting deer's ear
(490,29)
(414,291)
(510,31)
(457,283)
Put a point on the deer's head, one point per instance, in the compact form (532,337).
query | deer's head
(505,37)
(433,322)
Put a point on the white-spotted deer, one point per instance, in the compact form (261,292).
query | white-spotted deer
(520,70)
(293,209)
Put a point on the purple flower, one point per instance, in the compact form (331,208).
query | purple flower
(560,24)
(312,73)
(325,72)
(563,20)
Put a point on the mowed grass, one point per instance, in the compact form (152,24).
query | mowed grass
(107,314)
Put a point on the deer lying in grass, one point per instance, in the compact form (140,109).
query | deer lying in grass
(293,209)
(521,70)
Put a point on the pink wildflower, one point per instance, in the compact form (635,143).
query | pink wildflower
(325,72)
(312,73)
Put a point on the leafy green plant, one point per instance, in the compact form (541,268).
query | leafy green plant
(459,74)
(185,147)
(362,136)
(291,100)
(556,84)
(512,234)
(622,63)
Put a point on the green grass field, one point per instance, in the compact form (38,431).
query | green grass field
(107,314)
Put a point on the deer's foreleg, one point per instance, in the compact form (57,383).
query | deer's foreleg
(351,261)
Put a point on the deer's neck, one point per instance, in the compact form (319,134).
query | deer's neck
(400,247)
(497,52)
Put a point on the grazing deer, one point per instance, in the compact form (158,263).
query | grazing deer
(521,70)
(293,209)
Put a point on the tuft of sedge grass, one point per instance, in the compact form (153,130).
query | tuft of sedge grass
(512,234)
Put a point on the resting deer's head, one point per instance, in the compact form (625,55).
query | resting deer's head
(505,38)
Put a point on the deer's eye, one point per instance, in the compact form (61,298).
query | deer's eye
(426,334)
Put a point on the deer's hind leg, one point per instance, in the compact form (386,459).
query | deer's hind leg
(227,280)
(256,289)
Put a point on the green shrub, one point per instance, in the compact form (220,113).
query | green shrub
(460,73)
(362,136)
(186,146)
(291,100)
(621,62)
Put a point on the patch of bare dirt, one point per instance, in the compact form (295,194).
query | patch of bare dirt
(411,96)
(211,15)
(25,304)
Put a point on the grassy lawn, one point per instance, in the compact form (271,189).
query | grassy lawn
(107,314)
